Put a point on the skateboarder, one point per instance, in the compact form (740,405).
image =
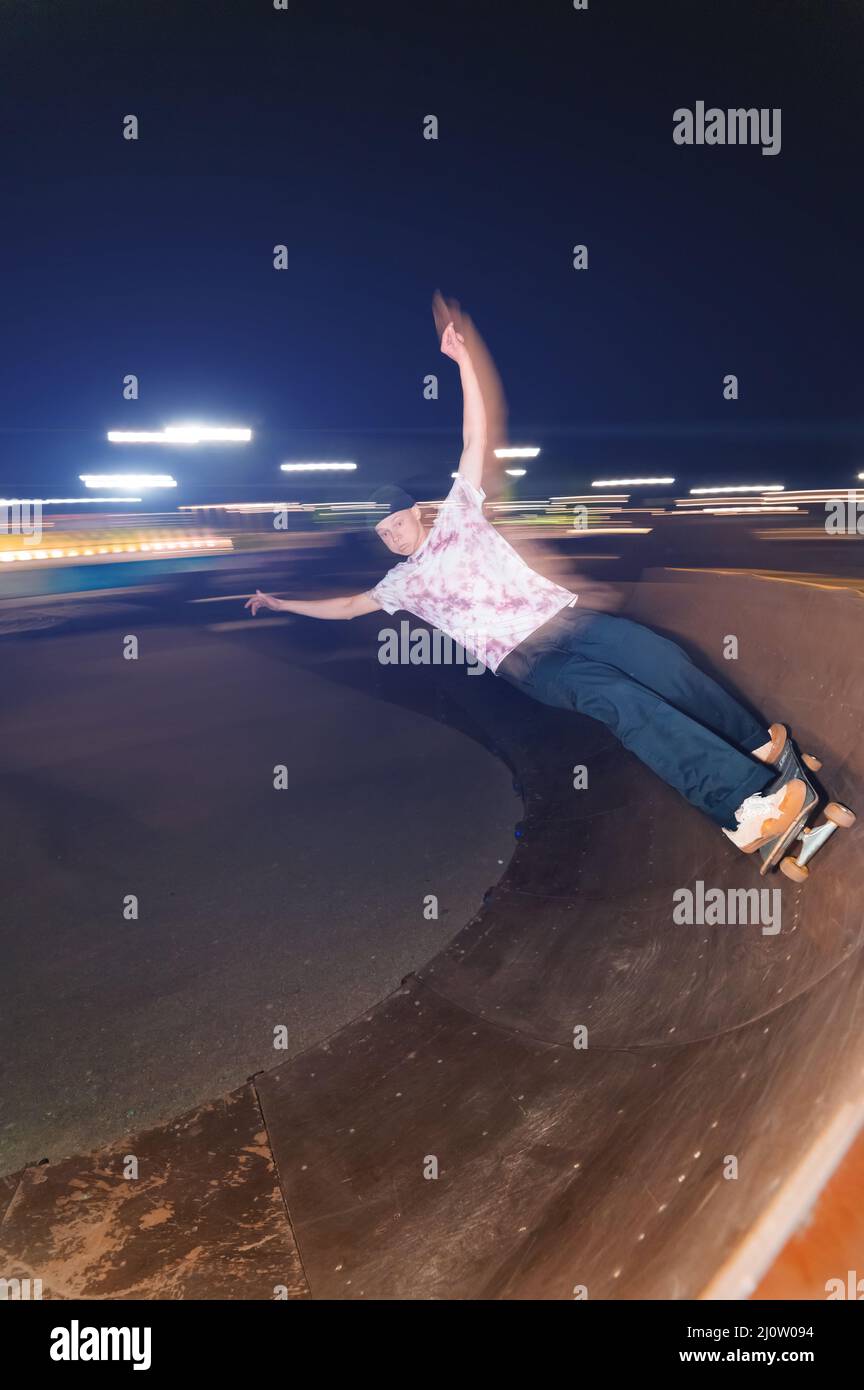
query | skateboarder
(461,576)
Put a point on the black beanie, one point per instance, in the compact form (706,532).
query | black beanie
(387,500)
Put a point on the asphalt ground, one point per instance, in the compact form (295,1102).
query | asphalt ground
(258,909)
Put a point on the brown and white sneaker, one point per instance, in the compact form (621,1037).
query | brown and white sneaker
(770,752)
(763,818)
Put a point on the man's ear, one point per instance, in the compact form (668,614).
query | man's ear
(415,512)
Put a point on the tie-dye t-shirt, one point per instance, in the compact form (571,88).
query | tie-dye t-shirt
(466,580)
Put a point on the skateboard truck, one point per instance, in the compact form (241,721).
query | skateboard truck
(836,816)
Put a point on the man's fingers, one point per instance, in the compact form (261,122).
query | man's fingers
(439,312)
(444,312)
(466,329)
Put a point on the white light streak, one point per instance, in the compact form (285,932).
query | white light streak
(136,480)
(62,501)
(182,434)
(323,467)
(630,482)
(736,487)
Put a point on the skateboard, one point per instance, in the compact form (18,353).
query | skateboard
(789,765)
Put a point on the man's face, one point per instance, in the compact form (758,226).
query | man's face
(402,532)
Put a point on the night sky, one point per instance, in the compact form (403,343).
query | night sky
(304,127)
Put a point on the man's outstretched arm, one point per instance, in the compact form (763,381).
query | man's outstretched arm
(485,410)
(351,606)
(473,407)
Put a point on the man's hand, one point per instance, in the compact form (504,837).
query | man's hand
(444,311)
(260,600)
(453,344)
(450,326)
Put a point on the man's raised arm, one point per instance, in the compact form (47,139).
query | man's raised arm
(351,606)
(485,410)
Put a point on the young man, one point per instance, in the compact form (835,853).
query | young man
(462,577)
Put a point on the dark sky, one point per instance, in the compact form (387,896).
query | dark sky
(305,127)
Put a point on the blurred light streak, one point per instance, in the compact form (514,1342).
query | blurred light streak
(738,487)
(134,480)
(182,434)
(629,482)
(610,530)
(827,494)
(810,533)
(736,511)
(246,507)
(61,501)
(140,549)
(317,467)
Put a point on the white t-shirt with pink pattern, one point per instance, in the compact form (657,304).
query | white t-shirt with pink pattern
(466,580)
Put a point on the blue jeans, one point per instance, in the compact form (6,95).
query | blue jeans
(644,688)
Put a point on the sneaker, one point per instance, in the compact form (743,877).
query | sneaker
(770,752)
(763,818)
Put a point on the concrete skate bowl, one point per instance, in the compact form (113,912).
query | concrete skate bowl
(455,1143)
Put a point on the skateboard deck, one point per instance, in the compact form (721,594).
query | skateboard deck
(790,765)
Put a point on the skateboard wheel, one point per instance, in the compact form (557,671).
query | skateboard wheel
(799,873)
(808,760)
(840,815)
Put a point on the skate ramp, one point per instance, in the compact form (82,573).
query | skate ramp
(454,1143)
